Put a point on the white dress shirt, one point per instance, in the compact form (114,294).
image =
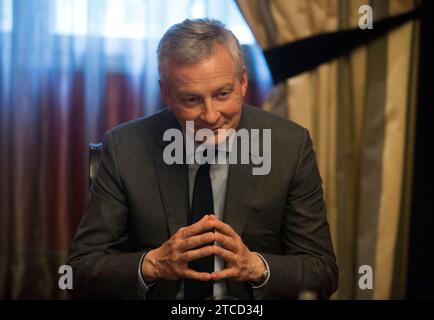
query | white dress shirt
(219,177)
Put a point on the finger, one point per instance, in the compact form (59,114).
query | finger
(227,255)
(226,273)
(196,241)
(192,255)
(194,275)
(224,228)
(225,241)
(203,225)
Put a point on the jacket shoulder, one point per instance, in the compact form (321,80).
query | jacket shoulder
(264,119)
(138,134)
(140,124)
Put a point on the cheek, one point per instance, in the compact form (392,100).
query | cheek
(185,114)
(232,109)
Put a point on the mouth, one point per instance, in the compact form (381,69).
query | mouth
(214,129)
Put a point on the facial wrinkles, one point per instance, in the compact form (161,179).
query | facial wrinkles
(203,84)
(205,81)
(210,72)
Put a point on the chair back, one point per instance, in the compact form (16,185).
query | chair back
(94,157)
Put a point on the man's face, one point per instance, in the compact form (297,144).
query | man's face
(209,92)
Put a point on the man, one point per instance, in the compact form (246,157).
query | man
(154,230)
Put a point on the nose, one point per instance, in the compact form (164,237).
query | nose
(209,114)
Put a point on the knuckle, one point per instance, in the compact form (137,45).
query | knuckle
(181,232)
(169,244)
(218,250)
(209,224)
(202,237)
(187,243)
(202,252)
(183,257)
(174,245)
(198,253)
(206,237)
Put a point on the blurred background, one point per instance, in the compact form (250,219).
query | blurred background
(72,69)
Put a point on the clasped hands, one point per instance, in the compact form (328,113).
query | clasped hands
(170,260)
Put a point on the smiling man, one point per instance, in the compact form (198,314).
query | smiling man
(210,92)
(191,231)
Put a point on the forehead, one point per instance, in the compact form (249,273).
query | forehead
(216,70)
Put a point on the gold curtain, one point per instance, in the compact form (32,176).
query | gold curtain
(359,110)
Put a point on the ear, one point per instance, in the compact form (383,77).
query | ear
(164,92)
(245,81)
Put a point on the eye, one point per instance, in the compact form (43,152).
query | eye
(192,100)
(223,95)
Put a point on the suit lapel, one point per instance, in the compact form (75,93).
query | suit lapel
(174,185)
(173,181)
(240,186)
(239,191)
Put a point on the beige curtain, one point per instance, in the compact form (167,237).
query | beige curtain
(359,111)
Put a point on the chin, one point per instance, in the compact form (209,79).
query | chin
(217,138)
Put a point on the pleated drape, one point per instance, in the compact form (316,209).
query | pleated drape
(66,77)
(359,109)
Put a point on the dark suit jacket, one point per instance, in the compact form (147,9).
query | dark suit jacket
(137,202)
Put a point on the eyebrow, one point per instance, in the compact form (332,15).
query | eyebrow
(226,86)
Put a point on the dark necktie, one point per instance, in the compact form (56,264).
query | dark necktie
(202,204)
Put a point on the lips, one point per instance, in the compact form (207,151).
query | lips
(212,129)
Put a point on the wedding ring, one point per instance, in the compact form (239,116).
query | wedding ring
(234,258)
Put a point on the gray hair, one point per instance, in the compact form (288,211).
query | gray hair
(191,41)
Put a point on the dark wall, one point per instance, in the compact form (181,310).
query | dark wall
(420,283)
